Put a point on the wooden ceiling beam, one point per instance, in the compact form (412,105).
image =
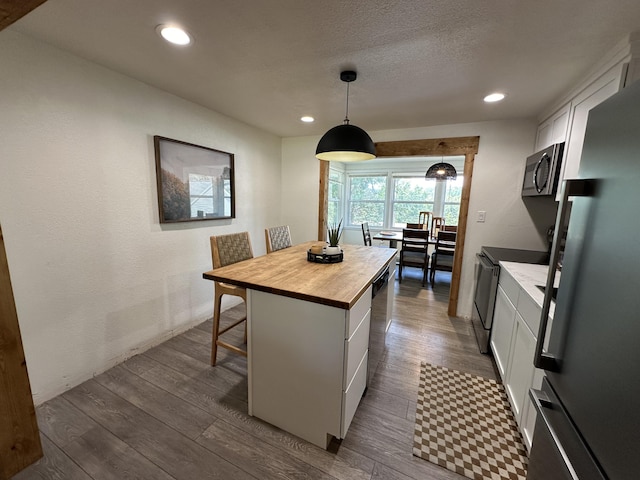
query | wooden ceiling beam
(429,147)
(13,10)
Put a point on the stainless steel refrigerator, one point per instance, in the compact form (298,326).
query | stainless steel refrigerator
(588,422)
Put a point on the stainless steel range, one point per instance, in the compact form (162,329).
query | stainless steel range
(487,273)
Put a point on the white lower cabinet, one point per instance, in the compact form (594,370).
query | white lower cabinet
(520,368)
(513,342)
(307,366)
(504,316)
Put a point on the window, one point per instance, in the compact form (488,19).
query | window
(391,199)
(209,195)
(452,198)
(336,196)
(367,197)
(411,195)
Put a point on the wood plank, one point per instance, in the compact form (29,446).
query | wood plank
(462,233)
(287,272)
(346,465)
(103,455)
(54,465)
(429,147)
(19,436)
(323,203)
(162,445)
(169,409)
(259,458)
(62,422)
(13,10)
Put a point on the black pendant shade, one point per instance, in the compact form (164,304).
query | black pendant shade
(346,143)
(442,171)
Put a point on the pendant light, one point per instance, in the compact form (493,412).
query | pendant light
(441,171)
(346,143)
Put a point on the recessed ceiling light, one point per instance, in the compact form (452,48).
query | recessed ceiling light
(307,119)
(173,34)
(494,97)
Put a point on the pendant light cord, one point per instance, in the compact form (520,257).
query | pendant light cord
(346,115)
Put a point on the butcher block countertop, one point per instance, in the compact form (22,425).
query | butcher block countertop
(287,272)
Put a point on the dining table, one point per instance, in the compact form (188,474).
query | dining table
(394,237)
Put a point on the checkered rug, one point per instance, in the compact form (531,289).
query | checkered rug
(464,423)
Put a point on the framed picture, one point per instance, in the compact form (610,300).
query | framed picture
(194,183)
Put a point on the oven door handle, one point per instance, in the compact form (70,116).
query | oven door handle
(484,260)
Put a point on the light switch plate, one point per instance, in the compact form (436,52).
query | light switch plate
(482,215)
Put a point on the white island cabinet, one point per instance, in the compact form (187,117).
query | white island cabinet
(513,337)
(308,364)
(308,336)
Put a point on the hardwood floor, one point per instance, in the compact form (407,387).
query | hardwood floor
(167,414)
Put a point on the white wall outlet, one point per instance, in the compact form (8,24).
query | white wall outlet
(482,215)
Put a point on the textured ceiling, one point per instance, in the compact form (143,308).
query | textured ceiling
(419,63)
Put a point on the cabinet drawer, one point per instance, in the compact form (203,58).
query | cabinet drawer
(351,397)
(355,347)
(357,312)
(509,285)
(530,312)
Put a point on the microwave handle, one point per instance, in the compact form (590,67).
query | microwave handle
(570,188)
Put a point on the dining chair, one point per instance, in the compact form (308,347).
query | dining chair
(227,250)
(424,219)
(437,224)
(277,238)
(414,252)
(450,228)
(442,256)
(416,226)
(366,234)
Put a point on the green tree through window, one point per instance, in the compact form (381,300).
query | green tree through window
(367,195)
(393,200)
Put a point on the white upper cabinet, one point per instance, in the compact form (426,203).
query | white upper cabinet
(593,95)
(568,121)
(554,129)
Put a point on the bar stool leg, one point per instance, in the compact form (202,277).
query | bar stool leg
(216,327)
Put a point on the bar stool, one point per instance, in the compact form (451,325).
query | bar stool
(277,238)
(227,250)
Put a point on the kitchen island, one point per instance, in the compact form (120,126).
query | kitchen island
(308,336)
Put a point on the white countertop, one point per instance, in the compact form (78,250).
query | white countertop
(529,275)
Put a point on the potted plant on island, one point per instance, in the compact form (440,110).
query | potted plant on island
(334,232)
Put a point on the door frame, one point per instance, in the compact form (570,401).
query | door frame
(439,147)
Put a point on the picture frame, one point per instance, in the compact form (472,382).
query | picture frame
(195,183)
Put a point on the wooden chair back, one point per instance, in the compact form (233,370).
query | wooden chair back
(416,226)
(366,234)
(424,219)
(277,238)
(231,248)
(414,251)
(443,254)
(437,224)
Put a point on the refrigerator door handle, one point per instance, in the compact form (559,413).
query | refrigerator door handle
(570,188)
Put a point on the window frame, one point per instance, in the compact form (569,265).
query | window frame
(439,201)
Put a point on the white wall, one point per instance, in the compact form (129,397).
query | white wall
(497,182)
(96,278)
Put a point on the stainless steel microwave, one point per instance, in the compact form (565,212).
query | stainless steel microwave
(542,172)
